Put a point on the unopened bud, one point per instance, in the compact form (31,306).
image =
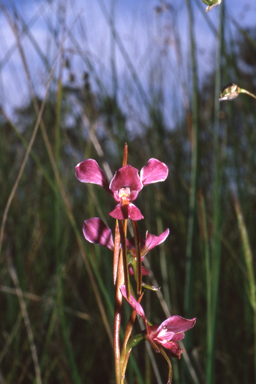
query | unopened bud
(211,4)
(229,92)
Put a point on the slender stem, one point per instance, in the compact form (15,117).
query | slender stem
(207,264)
(125,365)
(248,255)
(169,364)
(124,255)
(138,256)
(24,312)
(117,318)
(116,252)
(188,294)
(254,321)
(241,90)
(125,156)
(113,51)
(216,238)
(128,331)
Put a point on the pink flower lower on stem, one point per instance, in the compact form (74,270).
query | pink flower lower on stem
(95,231)
(125,185)
(167,333)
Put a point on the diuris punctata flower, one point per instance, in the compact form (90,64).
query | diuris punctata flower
(95,231)
(125,185)
(167,333)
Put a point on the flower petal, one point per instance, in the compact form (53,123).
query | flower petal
(153,172)
(175,324)
(144,271)
(173,349)
(126,177)
(129,211)
(133,303)
(134,213)
(88,171)
(152,241)
(95,231)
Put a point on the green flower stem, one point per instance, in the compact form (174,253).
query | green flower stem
(241,90)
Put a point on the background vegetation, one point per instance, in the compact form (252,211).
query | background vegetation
(56,289)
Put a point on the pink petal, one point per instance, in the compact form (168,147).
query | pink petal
(152,241)
(176,324)
(176,352)
(167,344)
(174,349)
(126,176)
(153,172)
(130,243)
(118,213)
(134,213)
(96,232)
(133,303)
(144,271)
(129,211)
(88,171)
(178,336)
(165,335)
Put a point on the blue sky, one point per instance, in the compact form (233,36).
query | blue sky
(148,39)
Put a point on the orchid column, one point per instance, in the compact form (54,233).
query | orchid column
(128,255)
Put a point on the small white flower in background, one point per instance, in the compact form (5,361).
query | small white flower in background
(211,4)
(229,92)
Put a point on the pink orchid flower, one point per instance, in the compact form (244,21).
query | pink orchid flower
(125,185)
(95,231)
(167,333)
